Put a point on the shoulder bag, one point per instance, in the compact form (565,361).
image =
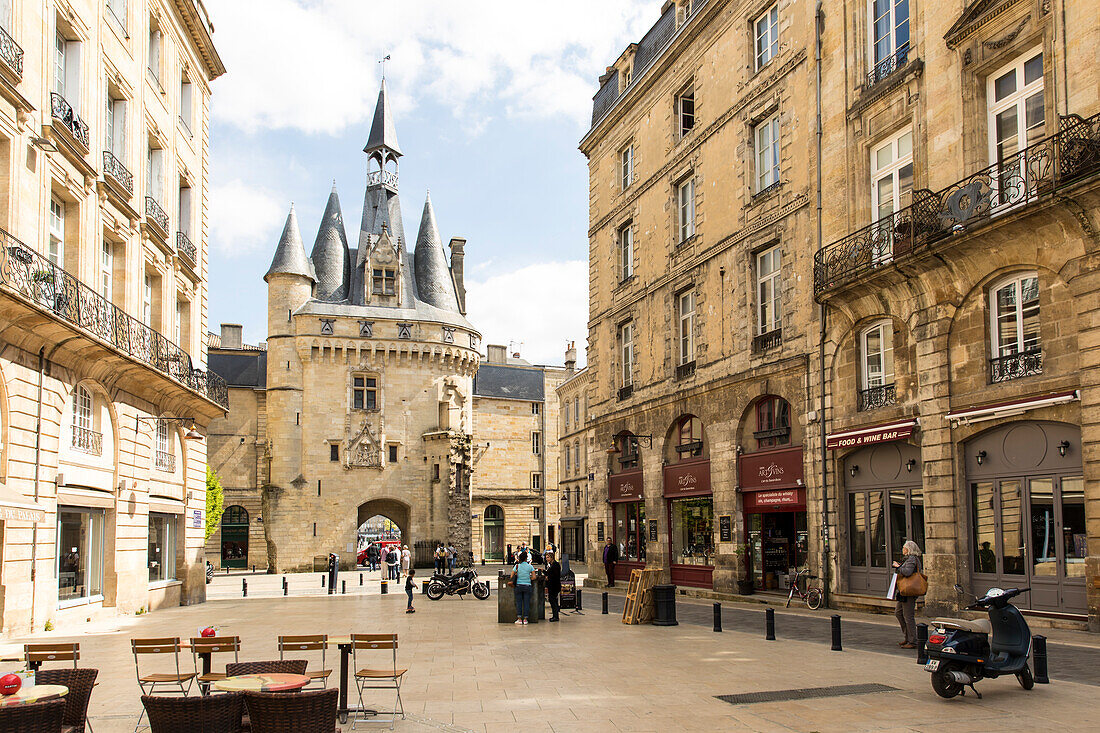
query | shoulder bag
(912,585)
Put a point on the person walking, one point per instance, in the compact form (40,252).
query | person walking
(610,557)
(906,604)
(391,563)
(406,560)
(451,555)
(553,583)
(409,586)
(522,575)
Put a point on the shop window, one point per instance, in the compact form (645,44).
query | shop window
(766,32)
(689,438)
(692,531)
(80,542)
(162,547)
(364,392)
(628,531)
(773,422)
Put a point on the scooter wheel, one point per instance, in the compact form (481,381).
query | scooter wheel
(944,686)
(1025,679)
(435,591)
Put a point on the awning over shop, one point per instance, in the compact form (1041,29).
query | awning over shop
(1008,409)
(15,506)
(872,434)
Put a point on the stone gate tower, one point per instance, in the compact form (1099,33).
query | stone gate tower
(369,376)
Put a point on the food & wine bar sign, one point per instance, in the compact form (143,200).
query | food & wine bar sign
(773,469)
(626,486)
(870,435)
(688,479)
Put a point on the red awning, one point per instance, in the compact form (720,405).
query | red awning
(872,434)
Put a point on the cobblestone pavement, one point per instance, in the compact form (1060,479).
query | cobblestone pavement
(591,672)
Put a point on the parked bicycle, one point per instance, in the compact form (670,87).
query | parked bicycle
(812,596)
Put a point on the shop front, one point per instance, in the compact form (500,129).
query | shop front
(687,493)
(628,526)
(773,503)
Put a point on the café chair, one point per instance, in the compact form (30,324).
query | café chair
(388,677)
(313,711)
(274,666)
(34,717)
(213,645)
(203,714)
(80,683)
(149,681)
(308,643)
(38,653)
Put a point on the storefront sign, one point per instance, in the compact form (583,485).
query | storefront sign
(653,530)
(868,436)
(772,469)
(196,519)
(626,486)
(784,499)
(599,531)
(688,479)
(725,528)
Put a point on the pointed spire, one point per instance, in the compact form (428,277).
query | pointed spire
(290,255)
(433,275)
(383,135)
(330,255)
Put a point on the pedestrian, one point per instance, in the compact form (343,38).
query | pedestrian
(391,563)
(409,585)
(522,555)
(450,559)
(395,553)
(610,557)
(521,576)
(406,559)
(907,604)
(553,583)
(439,557)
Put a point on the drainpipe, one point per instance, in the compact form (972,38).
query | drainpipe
(37,466)
(819,21)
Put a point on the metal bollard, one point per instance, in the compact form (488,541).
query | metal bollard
(253,568)
(579,599)
(836,634)
(360,579)
(284,586)
(1039,659)
(717,616)
(604,602)
(769,624)
(922,643)
(244,588)
(227,571)
(343,587)
(385,587)
(322,580)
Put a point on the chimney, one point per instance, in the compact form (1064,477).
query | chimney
(458,257)
(571,357)
(232,336)
(496,354)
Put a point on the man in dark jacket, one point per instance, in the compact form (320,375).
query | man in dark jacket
(610,557)
(553,583)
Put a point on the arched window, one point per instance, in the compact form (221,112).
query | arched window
(773,422)
(235,515)
(689,437)
(493,512)
(85,437)
(1014,316)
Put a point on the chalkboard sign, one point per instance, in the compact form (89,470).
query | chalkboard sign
(653,530)
(725,529)
(599,531)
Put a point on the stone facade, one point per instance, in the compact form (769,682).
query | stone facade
(103,298)
(579,456)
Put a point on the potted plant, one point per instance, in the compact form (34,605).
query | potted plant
(43,276)
(744,583)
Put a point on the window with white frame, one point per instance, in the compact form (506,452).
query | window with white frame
(83,418)
(766,32)
(685,207)
(118,10)
(627,164)
(626,351)
(536,481)
(154,172)
(1014,306)
(877,348)
(769,294)
(164,439)
(106,268)
(115,142)
(767,152)
(568,462)
(536,408)
(567,414)
(892,174)
(184,208)
(66,69)
(576,411)
(686,316)
(577,457)
(536,443)
(685,110)
(147,300)
(5,15)
(626,251)
(155,39)
(1017,115)
(55,248)
(889,29)
(186,103)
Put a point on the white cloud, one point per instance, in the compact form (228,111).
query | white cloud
(542,305)
(312,65)
(244,219)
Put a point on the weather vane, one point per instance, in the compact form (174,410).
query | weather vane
(383,62)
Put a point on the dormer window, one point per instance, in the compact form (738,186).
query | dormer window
(384,282)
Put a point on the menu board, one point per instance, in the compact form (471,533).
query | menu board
(599,531)
(725,529)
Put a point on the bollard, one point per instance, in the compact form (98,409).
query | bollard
(717,616)
(1039,659)
(385,587)
(322,580)
(922,643)
(360,579)
(664,605)
(244,588)
(769,624)
(284,585)
(227,571)
(836,633)
(579,599)
(604,603)
(343,587)
(253,568)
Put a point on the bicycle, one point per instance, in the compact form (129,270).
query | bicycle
(812,596)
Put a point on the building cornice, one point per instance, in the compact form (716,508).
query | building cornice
(197,21)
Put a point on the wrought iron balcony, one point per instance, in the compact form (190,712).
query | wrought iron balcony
(873,398)
(30,275)
(166,461)
(765,341)
(1016,366)
(685,370)
(119,173)
(383,178)
(1033,174)
(63,112)
(11,53)
(888,65)
(87,441)
(625,391)
(154,214)
(186,247)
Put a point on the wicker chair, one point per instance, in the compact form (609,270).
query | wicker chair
(274,666)
(206,714)
(35,717)
(80,683)
(302,712)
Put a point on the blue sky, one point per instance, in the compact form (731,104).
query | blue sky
(490,100)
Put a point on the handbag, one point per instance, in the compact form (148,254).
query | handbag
(512,580)
(913,585)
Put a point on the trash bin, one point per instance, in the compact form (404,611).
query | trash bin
(506,600)
(664,597)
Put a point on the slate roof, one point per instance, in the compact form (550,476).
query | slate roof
(382,132)
(290,255)
(507,382)
(240,368)
(330,257)
(434,283)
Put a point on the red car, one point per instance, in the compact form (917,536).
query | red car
(383,546)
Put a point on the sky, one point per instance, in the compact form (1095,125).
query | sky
(490,100)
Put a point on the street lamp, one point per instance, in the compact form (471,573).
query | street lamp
(189,434)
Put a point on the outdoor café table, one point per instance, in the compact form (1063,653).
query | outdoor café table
(344,643)
(275,682)
(33,693)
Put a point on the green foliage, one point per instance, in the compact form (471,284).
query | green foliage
(215,501)
(48,626)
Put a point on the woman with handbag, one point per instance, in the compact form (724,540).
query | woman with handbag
(912,583)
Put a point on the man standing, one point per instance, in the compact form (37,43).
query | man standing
(391,562)
(610,557)
(553,583)
(451,555)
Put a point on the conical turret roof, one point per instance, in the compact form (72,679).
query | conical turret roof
(290,255)
(330,256)
(433,275)
(382,132)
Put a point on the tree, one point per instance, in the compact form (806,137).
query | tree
(215,501)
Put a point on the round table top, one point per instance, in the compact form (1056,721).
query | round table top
(33,693)
(277,682)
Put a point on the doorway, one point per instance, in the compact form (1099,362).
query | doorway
(235,537)
(494,534)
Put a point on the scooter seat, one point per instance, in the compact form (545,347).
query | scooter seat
(981,625)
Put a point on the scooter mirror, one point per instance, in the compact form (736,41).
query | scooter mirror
(959,588)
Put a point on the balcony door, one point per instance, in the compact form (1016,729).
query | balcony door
(1017,119)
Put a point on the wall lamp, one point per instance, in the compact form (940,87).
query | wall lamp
(645,441)
(853,471)
(909,464)
(190,434)
(1063,447)
(981,457)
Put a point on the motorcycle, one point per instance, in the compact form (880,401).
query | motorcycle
(463,582)
(962,652)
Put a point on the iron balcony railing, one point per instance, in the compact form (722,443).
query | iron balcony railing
(685,370)
(87,441)
(121,175)
(625,391)
(1033,174)
(765,341)
(873,398)
(11,53)
(186,247)
(63,112)
(888,65)
(155,214)
(1016,366)
(384,178)
(29,274)
(166,461)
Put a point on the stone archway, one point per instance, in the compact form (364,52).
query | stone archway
(392,509)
